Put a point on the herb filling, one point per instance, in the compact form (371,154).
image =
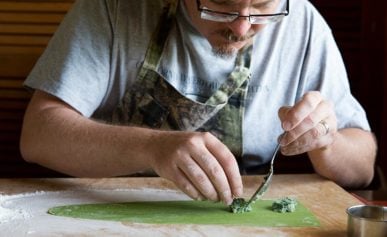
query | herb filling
(239,205)
(284,205)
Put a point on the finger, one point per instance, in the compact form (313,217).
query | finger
(282,112)
(198,178)
(327,127)
(230,167)
(324,128)
(310,123)
(301,110)
(216,175)
(183,183)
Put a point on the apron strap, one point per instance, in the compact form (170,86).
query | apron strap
(159,37)
(237,78)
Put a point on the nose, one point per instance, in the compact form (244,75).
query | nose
(240,26)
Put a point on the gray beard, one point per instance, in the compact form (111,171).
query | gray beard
(224,52)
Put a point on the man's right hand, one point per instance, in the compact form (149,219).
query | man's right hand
(198,163)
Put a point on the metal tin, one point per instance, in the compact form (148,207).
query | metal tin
(367,221)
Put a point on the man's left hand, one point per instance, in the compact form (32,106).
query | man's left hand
(309,125)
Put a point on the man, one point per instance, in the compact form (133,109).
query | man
(197,91)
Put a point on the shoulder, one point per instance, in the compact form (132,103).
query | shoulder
(304,13)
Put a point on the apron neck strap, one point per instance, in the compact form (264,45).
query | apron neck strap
(244,56)
(239,78)
(160,35)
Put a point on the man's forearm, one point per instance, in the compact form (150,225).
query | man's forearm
(59,138)
(349,160)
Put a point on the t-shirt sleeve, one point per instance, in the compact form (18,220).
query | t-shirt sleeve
(75,65)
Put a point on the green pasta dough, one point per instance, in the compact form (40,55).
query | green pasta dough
(187,212)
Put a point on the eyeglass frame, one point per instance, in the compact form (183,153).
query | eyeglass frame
(200,9)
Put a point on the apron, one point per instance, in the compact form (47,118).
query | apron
(152,102)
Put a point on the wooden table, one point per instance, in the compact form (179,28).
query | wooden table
(324,198)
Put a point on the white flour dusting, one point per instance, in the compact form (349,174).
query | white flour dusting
(26,215)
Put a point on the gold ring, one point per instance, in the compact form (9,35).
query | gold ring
(325,125)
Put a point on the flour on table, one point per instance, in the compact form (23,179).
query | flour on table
(26,214)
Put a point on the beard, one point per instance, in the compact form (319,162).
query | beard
(225,51)
(228,50)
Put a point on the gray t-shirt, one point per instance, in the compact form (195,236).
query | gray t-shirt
(96,53)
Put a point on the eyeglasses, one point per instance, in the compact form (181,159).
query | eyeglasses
(219,16)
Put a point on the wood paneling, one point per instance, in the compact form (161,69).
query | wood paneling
(25,29)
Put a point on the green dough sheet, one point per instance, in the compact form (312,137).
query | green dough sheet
(188,212)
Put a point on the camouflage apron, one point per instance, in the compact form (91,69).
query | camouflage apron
(153,102)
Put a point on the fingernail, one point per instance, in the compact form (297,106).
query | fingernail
(286,126)
(227,199)
(279,139)
(239,192)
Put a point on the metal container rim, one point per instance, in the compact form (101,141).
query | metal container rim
(353,215)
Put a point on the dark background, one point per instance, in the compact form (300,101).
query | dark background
(359,26)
